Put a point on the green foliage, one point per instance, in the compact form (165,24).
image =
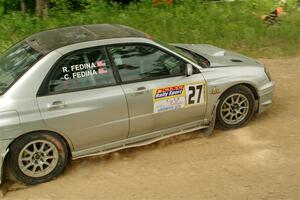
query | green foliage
(235,25)
(8,5)
(68,4)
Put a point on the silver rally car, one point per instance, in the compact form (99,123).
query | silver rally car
(87,90)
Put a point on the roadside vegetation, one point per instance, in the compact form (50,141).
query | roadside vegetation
(233,25)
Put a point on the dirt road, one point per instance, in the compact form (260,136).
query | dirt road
(260,161)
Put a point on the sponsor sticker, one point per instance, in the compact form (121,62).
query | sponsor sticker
(168,98)
(177,97)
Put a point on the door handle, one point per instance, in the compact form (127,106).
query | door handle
(140,90)
(56,105)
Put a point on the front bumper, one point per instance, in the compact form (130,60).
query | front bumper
(3,151)
(265,96)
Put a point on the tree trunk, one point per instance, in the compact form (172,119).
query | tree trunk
(23,6)
(41,8)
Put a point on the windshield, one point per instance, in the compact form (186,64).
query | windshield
(15,62)
(203,62)
(177,50)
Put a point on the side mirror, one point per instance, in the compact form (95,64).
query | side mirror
(189,70)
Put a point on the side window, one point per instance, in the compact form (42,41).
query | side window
(80,70)
(142,62)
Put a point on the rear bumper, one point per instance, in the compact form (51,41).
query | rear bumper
(3,151)
(265,96)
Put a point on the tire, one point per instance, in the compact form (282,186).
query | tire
(236,108)
(37,157)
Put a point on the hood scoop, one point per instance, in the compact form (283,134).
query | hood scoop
(219,53)
(236,60)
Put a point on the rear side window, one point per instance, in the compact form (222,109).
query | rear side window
(81,70)
(143,62)
(15,62)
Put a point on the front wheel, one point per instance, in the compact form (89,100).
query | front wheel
(236,107)
(38,157)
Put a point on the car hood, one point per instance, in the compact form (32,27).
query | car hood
(219,57)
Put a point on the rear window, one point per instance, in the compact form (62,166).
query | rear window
(15,62)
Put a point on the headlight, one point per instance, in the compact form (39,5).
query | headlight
(268,74)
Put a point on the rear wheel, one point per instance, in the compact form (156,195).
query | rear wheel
(38,157)
(236,107)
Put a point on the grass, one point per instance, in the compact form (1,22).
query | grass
(236,25)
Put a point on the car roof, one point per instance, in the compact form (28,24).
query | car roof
(51,40)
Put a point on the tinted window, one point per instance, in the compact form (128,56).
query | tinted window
(14,62)
(141,62)
(84,69)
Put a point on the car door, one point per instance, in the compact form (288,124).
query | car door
(158,93)
(80,98)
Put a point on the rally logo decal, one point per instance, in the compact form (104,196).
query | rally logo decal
(169,91)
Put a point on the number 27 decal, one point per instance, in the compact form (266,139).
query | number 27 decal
(194,94)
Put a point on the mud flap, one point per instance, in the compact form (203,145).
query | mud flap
(209,131)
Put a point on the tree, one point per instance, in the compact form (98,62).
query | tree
(23,6)
(41,8)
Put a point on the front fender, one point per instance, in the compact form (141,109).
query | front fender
(221,79)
